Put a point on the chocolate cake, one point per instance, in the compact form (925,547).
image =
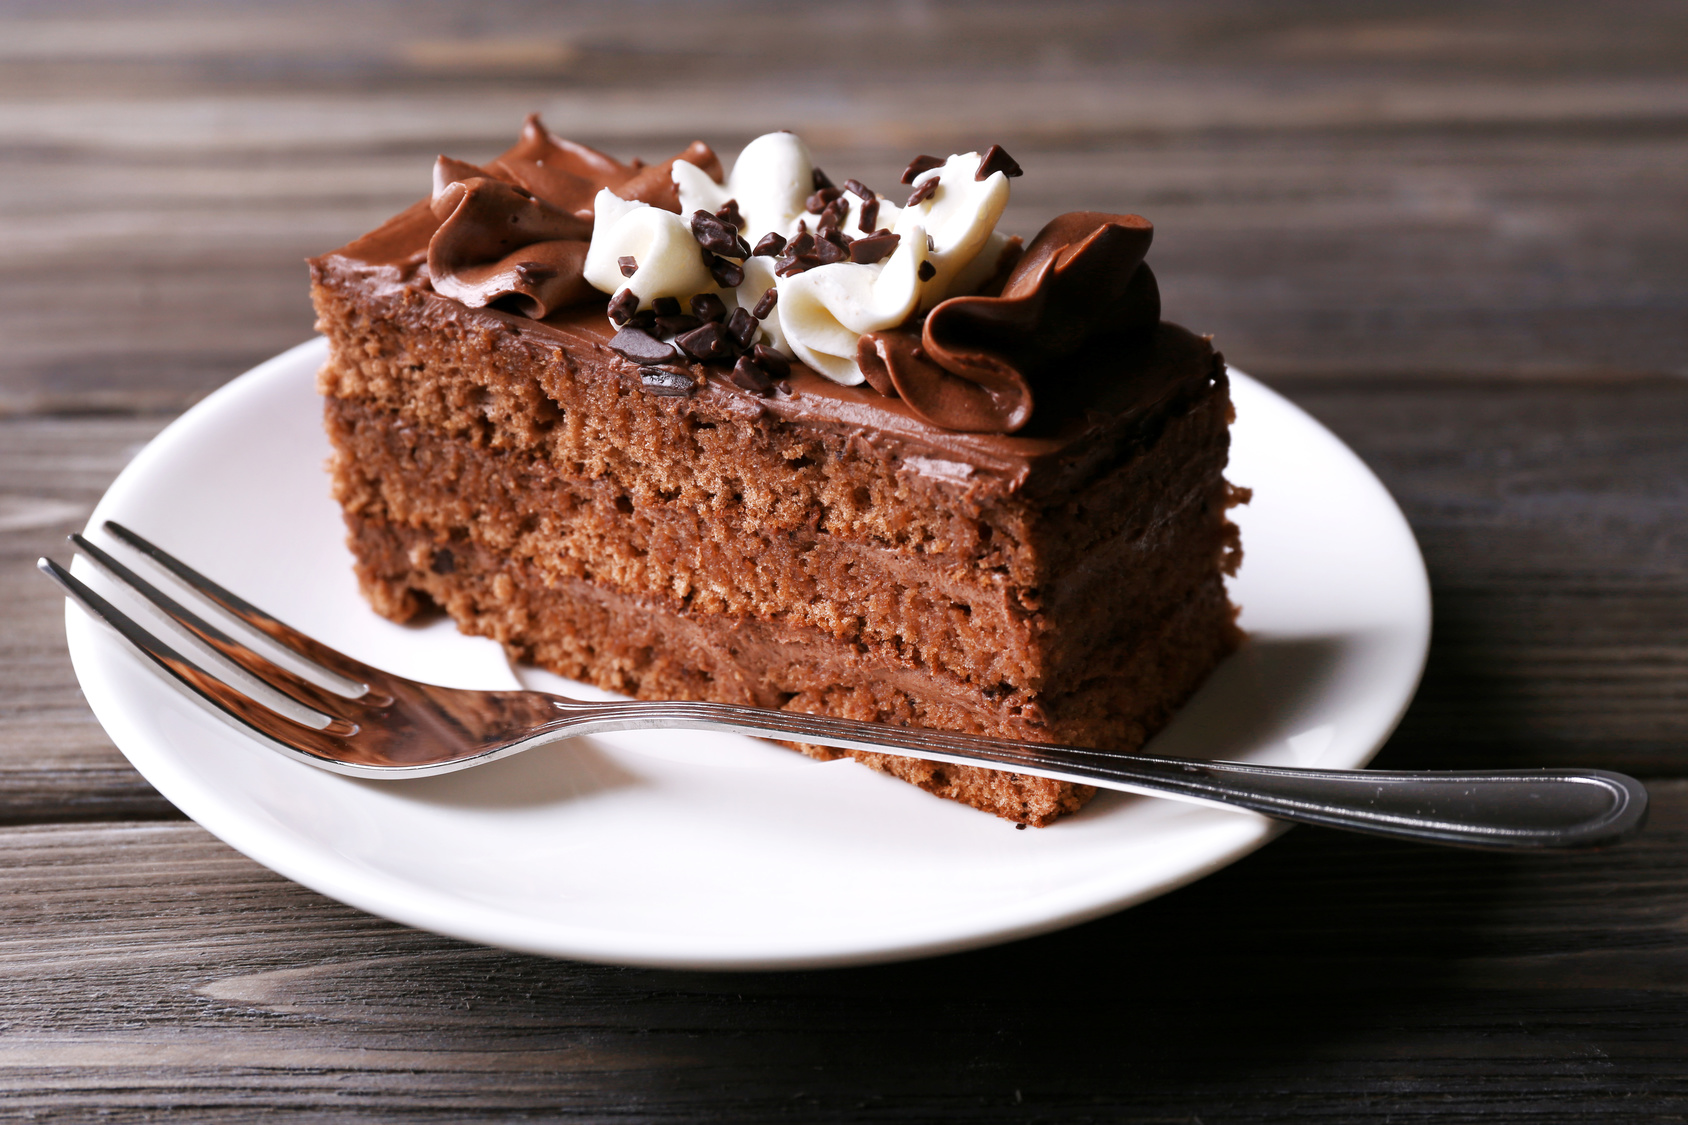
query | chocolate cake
(957,483)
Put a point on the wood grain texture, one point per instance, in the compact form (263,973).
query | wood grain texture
(1343,189)
(149,968)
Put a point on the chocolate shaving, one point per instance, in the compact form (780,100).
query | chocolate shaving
(710,342)
(873,247)
(666,306)
(727,274)
(918,165)
(996,159)
(798,255)
(749,376)
(817,202)
(707,306)
(861,189)
(927,271)
(640,347)
(922,193)
(730,214)
(714,235)
(825,253)
(869,215)
(622,306)
(669,382)
(629,265)
(771,361)
(769,246)
(766,304)
(819,179)
(741,326)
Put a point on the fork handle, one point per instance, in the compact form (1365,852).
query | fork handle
(1512,809)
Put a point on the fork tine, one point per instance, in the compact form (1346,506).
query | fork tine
(255,664)
(243,709)
(278,631)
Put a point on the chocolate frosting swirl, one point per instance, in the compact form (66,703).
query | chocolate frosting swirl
(977,360)
(516,231)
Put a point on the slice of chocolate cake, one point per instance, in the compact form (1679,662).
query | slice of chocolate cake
(805,449)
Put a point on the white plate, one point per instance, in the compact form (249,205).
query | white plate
(688,850)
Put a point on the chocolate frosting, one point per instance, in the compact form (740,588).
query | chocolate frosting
(516,232)
(979,361)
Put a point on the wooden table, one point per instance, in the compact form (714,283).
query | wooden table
(1457,234)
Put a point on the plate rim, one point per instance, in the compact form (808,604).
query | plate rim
(256,843)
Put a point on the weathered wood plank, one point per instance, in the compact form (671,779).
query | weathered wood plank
(149,968)
(55,761)
(1339,190)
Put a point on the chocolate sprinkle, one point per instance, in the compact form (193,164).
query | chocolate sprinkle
(706,343)
(714,235)
(727,274)
(770,246)
(674,325)
(766,304)
(670,382)
(749,376)
(666,306)
(873,247)
(869,215)
(825,253)
(817,202)
(918,165)
(640,347)
(927,271)
(629,265)
(923,192)
(997,160)
(771,361)
(622,307)
(859,188)
(741,326)
(707,306)
(729,214)
(820,180)
(644,320)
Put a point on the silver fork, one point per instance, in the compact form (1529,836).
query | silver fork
(375,724)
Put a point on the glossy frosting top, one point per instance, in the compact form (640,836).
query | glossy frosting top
(1070,349)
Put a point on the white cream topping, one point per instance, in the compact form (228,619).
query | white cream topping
(822,312)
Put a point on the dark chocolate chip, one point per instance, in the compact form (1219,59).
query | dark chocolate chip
(817,202)
(931,245)
(997,160)
(860,189)
(829,221)
(771,361)
(770,246)
(622,306)
(803,244)
(922,193)
(444,561)
(766,304)
(749,376)
(670,382)
(927,271)
(869,215)
(920,164)
(644,320)
(728,274)
(743,250)
(714,235)
(820,180)
(783,387)
(629,265)
(707,343)
(666,306)
(674,325)
(788,264)
(640,347)
(741,326)
(825,253)
(729,213)
(871,248)
(707,306)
